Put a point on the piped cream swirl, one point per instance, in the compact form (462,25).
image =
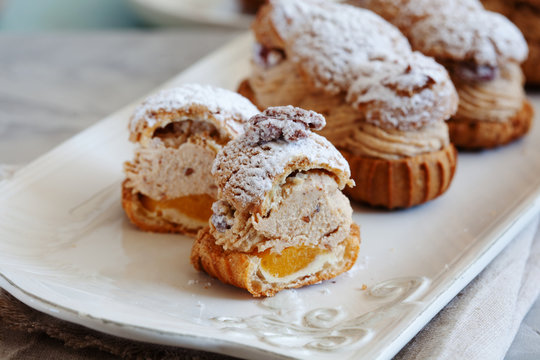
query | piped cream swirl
(497,100)
(346,128)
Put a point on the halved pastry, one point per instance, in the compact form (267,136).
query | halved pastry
(385,105)
(482,51)
(281,220)
(168,187)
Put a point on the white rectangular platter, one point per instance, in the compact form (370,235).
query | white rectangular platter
(67,249)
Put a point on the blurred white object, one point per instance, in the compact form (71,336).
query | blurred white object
(7,171)
(227,13)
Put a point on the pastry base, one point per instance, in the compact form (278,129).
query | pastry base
(401,183)
(242,269)
(149,221)
(469,134)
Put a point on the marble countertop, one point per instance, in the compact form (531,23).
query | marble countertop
(54,85)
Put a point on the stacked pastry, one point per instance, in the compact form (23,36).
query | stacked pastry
(526,15)
(168,187)
(281,220)
(385,105)
(482,51)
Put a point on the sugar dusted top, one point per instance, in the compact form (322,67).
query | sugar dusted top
(284,122)
(404,13)
(330,41)
(458,30)
(276,143)
(346,50)
(483,37)
(406,94)
(226,109)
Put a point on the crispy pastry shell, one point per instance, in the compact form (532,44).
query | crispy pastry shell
(404,182)
(146,220)
(241,269)
(469,134)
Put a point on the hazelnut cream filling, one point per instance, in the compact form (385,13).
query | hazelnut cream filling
(308,211)
(364,139)
(282,84)
(496,100)
(277,83)
(176,162)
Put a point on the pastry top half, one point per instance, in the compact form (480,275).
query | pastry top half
(340,49)
(279,185)
(224,111)
(278,143)
(455,31)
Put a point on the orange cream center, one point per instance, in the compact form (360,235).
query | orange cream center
(291,260)
(198,207)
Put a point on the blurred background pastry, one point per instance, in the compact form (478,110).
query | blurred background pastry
(385,105)
(281,220)
(526,15)
(168,186)
(482,51)
(251,6)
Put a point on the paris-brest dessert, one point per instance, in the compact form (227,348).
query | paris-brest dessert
(281,220)
(482,51)
(385,105)
(178,132)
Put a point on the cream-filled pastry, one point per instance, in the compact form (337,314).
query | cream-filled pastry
(281,220)
(482,51)
(385,105)
(179,131)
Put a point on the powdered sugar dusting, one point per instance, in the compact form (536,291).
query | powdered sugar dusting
(245,170)
(455,30)
(483,37)
(329,41)
(348,50)
(283,122)
(404,13)
(405,94)
(222,104)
